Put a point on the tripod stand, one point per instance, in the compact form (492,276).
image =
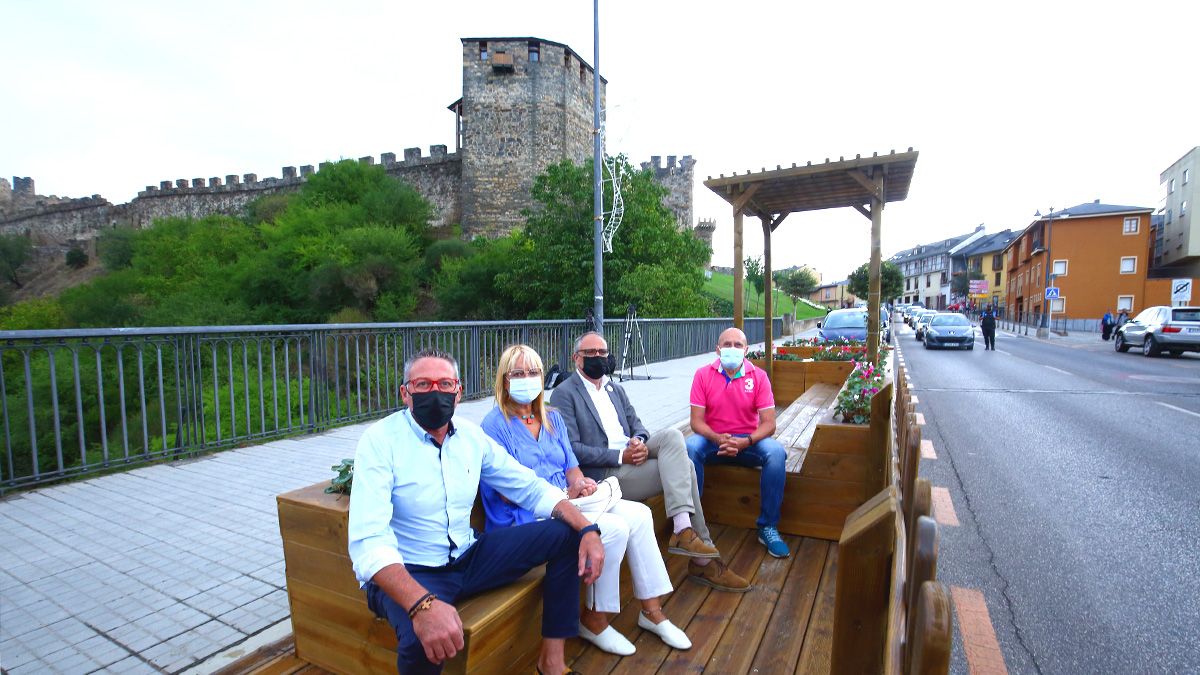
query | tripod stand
(631,342)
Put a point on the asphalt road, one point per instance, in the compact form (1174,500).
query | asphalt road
(1075,474)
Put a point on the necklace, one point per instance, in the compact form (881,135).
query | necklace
(528,419)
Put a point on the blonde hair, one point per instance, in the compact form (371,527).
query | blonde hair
(508,360)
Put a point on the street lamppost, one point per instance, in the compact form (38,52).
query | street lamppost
(1044,330)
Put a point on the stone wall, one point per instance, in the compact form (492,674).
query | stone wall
(519,115)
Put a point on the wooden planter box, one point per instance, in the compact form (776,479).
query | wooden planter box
(827,372)
(787,379)
(804,352)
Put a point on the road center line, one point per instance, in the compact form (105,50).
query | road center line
(1057,370)
(1175,407)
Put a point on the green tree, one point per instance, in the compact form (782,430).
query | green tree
(465,287)
(891,280)
(115,247)
(550,270)
(797,283)
(754,274)
(77,259)
(34,314)
(960,284)
(14,252)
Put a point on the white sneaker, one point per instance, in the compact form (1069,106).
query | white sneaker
(666,630)
(609,640)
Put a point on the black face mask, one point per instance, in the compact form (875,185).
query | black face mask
(433,410)
(595,367)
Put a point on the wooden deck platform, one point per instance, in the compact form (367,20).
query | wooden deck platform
(765,630)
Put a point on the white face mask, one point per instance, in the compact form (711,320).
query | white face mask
(524,390)
(732,357)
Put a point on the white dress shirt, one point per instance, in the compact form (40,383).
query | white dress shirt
(411,501)
(617,440)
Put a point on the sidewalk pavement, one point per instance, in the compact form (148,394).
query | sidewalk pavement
(166,567)
(1074,339)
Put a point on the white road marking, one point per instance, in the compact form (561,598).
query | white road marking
(1003,352)
(1175,407)
(1057,370)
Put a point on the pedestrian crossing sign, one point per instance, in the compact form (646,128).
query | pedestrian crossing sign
(1052,292)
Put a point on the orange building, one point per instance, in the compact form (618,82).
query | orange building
(1100,255)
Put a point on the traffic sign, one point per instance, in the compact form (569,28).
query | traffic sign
(1181,290)
(1052,292)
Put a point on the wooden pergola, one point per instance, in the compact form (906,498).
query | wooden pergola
(863,183)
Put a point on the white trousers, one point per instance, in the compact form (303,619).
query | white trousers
(627,531)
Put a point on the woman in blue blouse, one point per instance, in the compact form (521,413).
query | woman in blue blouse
(536,436)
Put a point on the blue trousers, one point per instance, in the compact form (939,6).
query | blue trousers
(767,453)
(497,558)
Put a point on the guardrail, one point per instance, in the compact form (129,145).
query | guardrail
(74,402)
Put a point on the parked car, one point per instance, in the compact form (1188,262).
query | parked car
(851,324)
(1174,330)
(947,329)
(922,321)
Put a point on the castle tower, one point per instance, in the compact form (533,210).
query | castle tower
(678,179)
(704,231)
(6,195)
(526,104)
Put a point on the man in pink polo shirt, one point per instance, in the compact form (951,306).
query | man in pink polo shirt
(733,419)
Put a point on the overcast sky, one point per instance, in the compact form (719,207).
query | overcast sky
(1014,106)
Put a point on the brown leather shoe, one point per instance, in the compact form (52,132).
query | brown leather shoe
(718,575)
(690,544)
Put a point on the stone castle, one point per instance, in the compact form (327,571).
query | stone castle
(526,104)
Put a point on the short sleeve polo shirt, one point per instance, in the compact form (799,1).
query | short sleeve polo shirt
(731,405)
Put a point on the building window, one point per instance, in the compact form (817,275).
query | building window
(943,278)
(1058,304)
(534,52)
(1186,174)
(1171,187)
(997,280)
(1183,208)
(927,281)
(1131,226)
(482,51)
(1060,268)
(1169,219)
(582,73)
(1128,265)
(1125,302)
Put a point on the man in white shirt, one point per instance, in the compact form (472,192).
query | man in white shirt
(609,439)
(416,475)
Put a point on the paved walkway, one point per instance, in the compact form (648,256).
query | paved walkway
(159,568)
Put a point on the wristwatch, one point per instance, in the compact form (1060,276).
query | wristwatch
(590,528)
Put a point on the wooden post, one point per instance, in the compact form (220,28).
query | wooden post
(739,310)
(873,299)
(768,308)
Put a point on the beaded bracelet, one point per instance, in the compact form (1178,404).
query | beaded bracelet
(425,602)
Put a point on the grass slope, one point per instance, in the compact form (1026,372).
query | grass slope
(721,286)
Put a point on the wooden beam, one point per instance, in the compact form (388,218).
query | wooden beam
(873,299)
(873,186)
(863,210)
(740,201)
(778,219)
(768,309)
(739,309)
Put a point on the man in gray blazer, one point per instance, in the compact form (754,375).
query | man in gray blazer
(610,440)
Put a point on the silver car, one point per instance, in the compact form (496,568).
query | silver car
(1174,330)
(922,322)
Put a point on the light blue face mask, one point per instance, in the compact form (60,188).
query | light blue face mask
(732,357)
(524,390)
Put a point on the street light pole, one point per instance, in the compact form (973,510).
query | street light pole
(597,184)
(1044,331)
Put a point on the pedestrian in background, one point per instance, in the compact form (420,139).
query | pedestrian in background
(1122,317)
(1106,326)
(987,321)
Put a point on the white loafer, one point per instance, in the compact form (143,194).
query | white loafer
(610,640)
(667,631)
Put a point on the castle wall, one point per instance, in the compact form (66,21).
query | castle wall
(438,178)
(517,120)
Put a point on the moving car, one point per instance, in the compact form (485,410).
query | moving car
(1174,330)
(921,321)
(947,329)
(851,324)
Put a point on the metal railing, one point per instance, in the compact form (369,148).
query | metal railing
(74,402)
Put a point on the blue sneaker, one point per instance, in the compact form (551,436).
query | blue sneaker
(776,546)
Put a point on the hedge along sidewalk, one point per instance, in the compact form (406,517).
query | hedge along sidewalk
(167,566)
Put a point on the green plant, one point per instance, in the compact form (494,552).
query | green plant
(760,355)
(836,352)
(854,400)
(343,482)
(76,258)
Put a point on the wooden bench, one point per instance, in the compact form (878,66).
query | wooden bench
(334,629)
(832,468)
